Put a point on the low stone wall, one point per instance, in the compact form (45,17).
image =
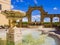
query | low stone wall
(56,37)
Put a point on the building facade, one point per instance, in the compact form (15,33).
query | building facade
(4,5)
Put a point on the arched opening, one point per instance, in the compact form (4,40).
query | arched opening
(35,16)
(24,21)
(46,20)
(56,19)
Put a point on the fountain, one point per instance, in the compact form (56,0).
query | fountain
(35,34)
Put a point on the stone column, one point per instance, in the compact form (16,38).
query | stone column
(29,19)
(59,19)
(10,33)
(42,20)
(51,19)
(10,23)
(20,22)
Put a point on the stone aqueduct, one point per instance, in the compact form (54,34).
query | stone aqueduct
(43,14)
(28,15)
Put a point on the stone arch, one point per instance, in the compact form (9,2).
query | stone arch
(28,13)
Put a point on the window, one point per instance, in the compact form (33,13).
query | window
(0,7)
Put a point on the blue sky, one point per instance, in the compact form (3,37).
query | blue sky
(50,6)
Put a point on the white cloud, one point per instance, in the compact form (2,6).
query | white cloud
(35,1)
(21,11)
(21,0)
(12,6)
(46,19)
(36,17)
(55,8)
(25,19)
(17,0)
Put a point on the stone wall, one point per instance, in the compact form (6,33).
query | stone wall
(5,5)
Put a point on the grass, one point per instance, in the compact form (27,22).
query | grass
(54,23)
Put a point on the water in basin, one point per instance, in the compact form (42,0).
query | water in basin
(43,39)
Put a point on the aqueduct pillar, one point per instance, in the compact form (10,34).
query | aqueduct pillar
(51,19)
(20,22)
